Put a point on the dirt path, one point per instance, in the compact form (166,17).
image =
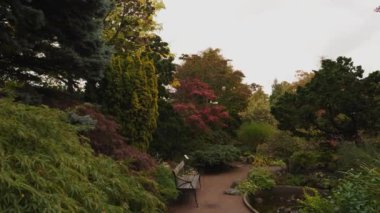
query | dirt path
(211,198)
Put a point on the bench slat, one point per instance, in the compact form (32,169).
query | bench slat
(178,168)
(189,182)
(184,182)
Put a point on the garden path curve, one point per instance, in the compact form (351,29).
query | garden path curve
(211,198)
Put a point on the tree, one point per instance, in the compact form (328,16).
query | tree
(212,68)
(141,65)
(172,133)
(131,27)
(61,40)
(258,109)
(194,102)
(279,89)
(129,92)
(337,103)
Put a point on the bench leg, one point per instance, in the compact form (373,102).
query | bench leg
(195,197)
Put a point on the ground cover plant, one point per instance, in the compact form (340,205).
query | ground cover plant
(45,167)
(357,191)
(258,179)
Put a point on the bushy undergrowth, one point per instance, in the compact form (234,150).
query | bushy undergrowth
(303,161)
(262,161)
(166,185)
(357,191)
(255,133)
(214,156)
(258,179)
(351,156)
(45,168)
(282,145)
(106,139)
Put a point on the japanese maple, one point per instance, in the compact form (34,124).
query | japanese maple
(194,101)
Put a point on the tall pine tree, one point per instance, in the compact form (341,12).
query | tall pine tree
(59,39)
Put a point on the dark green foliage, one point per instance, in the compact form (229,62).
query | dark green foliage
(61,39)
(337,103)
(213,156)
(357,192)
(282,146)
(171,134)
(303,161)
(45,168)
(129,92)
(351,156)
(163,61)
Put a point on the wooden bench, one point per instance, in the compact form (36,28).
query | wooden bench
(187,181)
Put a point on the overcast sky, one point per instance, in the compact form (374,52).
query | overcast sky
(271,39)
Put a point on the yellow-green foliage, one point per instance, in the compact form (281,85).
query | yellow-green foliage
(129,92)
(258,179)
(45,168)
(262,161)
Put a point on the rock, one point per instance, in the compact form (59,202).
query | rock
(232,191)
(235,183)
(288,210)
(281,209)
(259,200)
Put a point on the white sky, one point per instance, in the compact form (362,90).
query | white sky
(268,39)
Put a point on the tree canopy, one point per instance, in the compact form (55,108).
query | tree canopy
(141,64)
(212,68)
(337,103)
(258,109)
(61,40)
(194,101)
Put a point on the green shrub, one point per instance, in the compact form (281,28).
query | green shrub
(293,179)
(351,156)
(316,203)
(171,134)
(356,192)
(45,168)
(166,185)
(255,133)
(359,191)
(258,179)
(262,161)
(282,146)
(303,161)
(214,156)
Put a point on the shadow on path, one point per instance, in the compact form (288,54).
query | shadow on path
(211,198)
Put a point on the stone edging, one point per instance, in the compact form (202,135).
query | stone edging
(245,200)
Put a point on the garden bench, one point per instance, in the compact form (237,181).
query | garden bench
(186,180)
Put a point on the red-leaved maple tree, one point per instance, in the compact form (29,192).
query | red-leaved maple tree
(195,102)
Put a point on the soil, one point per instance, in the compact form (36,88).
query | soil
(211,198)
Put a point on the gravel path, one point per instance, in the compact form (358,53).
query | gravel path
(211,198)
